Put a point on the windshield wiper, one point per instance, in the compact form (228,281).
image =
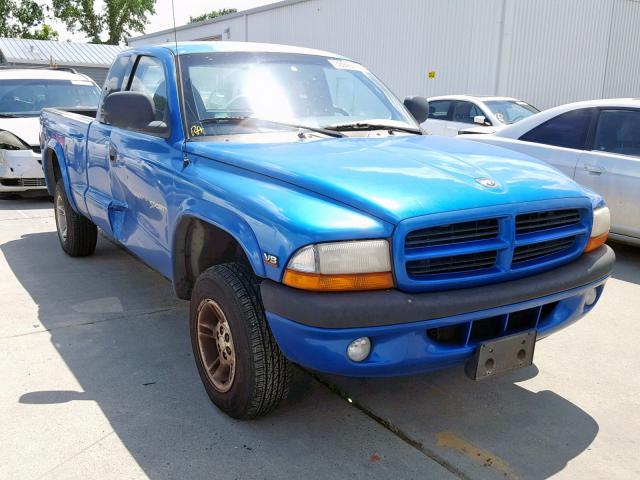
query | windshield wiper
(367,126)
(324,131)
(8,115)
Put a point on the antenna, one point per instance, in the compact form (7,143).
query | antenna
(185,158)
(175,32)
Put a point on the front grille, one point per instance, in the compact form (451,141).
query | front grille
(23,182)
(525,253)
(452,264)
(444,255)
(538,221)
(454,233)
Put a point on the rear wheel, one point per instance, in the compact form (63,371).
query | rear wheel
(239,362)
(77,234)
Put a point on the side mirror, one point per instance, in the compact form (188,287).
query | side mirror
(132,110)
(418,107)
(481,120)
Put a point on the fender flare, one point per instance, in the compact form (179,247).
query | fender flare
(227,221)
(54,147)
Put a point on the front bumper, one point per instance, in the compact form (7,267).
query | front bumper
(20,170)
(413,333)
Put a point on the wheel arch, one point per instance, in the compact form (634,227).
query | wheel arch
(200,242)
(55,167)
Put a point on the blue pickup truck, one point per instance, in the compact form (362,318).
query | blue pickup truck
(294,200)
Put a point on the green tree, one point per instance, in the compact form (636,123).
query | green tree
(214,14)
(25,19)
(117,19)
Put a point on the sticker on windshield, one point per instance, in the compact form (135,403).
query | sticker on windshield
(346,65)
(81,82)
(196,130)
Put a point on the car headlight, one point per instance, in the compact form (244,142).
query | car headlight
(600,228)
(340,266)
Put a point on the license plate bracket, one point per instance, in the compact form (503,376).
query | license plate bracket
(502,355)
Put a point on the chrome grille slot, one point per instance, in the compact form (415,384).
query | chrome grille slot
(23,182)
(524,253)
(454,233)
(538,221)
(32,182)
(452,264)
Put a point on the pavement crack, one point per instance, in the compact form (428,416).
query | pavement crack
(51,470)
(93,322)
(394,429)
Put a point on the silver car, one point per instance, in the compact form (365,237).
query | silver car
(597,143)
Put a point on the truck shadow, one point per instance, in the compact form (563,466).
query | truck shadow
(125,338)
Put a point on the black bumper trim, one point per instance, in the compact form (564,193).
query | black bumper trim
(390,307)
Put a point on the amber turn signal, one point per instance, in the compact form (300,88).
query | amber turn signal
(595,242)
(338,283)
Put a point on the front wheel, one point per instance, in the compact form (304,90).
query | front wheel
(77,234)
(239,361)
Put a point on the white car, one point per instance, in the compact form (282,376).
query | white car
(597,143)
(23,93)
(451,114)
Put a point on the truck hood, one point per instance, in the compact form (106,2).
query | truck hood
(394,178)
(25,128)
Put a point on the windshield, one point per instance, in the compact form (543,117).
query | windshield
(25,98)
(510,111)
(223,89)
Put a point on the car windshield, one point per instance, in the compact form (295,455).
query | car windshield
(510,111)
(233,93)
(25,98)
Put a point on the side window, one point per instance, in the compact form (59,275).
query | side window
(463,112)
(568,130)
(439,109)
(618,131)
(149,78)
(115,80)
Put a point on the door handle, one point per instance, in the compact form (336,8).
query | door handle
(113,153)
(593,169)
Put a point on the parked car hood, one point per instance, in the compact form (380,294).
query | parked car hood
(25,128)
(395,178)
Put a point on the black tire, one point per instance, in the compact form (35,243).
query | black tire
(80,236)
(262,373)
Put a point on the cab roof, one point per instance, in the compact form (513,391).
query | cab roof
(229,47)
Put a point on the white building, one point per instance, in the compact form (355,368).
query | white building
(546,52)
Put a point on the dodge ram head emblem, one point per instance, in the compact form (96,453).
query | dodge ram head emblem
(487,182)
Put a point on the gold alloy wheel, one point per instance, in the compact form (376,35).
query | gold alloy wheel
(215,345)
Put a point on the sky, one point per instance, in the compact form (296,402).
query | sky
(184,9)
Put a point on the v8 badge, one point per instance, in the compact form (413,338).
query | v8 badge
(270,259)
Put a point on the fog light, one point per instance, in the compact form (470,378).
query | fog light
(590,297)
(359,349)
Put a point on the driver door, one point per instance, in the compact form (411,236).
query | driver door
(143,171)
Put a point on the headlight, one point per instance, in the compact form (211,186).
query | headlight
(339,266)
(600,228)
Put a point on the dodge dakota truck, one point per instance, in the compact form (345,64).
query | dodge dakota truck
(294,200)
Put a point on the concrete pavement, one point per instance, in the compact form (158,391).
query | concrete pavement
(97,381)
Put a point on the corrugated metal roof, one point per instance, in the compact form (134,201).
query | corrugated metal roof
(16,50)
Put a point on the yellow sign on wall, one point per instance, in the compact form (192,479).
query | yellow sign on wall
(432,74)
